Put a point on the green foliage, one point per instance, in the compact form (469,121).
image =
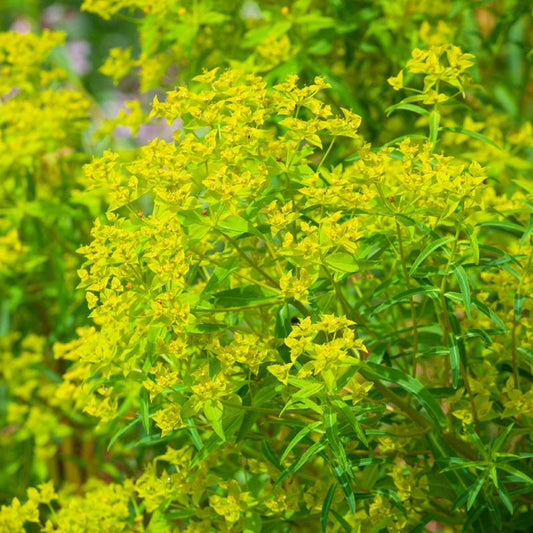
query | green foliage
(299,314)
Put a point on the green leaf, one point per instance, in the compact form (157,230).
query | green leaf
(457,463)
(405,295)
(392,495)
(242,296)
(472,518)
(332,435)
(307,390)
(308,454)
(346,487)
(492,249)
(479,333)
(326,506)
(478,443)
(434,119)
(493,473)
(122,431)
(219,275)
(455,359)
(518,303)
(462,280)
(283,322)
(196,232)
(347,412)
(269,453)
(213,411)
(516,473)
(144,407)
(487,311)
(504,225)
(212,443)
(347,528)
(193,432)
(427,251)
(498,443)
(470,133)
(472,238)
(234,225)
(406,105)
(298,437)
(504,497)
(474,491)
(254,36)
(411,385)
(233,415)
(442,451)
(342,262)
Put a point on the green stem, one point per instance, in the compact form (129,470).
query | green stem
(251,262)
(515,324)
(326,153)
(399,402)
(445,321)
(411,299)
(239,308)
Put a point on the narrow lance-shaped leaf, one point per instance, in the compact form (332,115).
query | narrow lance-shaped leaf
(310,452)
(427,251)
(405,295)
(332,434)
(455,359)
(504,225)
(144,407)
(504,497)
(412,386)
(298,437)
(462,280)
(326,506)
(434,119)
(498,443)
(474,491)
(346,411)
(518,304)
(344,482)
(487,311)
(470,133)
(122,431)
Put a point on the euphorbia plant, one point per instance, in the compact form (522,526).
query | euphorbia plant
(314,341)
(290,329)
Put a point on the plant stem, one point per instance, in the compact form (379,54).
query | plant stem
(239,308)
(515,324)
(252,263)
(326,153)
(411,299)
(409,411)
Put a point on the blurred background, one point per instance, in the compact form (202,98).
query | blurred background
(337,39)
(89,37)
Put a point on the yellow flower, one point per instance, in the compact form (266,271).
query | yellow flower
(396,82)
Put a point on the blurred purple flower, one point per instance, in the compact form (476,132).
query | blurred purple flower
(158,128)
(21,25)
(53,15)
(78,55)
